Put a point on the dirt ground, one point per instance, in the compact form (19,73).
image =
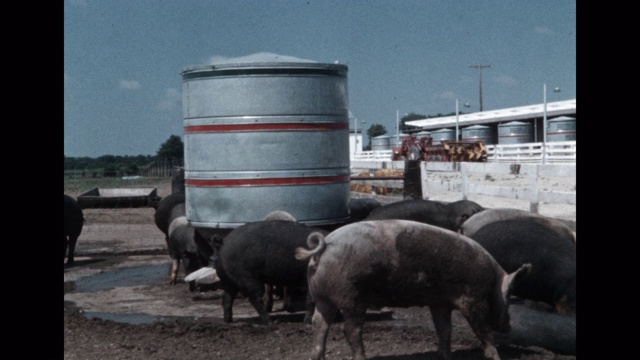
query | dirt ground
(189,325)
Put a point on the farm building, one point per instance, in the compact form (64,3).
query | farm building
(531,114)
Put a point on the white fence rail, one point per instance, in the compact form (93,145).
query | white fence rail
(527,180)
(372,155)
(557,152)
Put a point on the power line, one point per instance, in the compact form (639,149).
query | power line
(479,67)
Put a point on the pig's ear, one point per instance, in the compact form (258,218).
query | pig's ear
(514,277)
(460,220)
(216,240)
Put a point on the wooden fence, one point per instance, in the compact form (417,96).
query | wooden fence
(161,168)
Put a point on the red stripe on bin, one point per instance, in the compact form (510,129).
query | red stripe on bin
(265,127)
(265,182)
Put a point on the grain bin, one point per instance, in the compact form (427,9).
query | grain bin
(562,128)
(265,136)
(515,132)
(442,134)
(381,143)
(396,140)
(478,133)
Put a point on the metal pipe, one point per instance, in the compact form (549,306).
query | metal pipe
(544,123)
(479,67)
(356,147)
(457,138)
(397,126)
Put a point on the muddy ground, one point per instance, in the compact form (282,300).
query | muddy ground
(154,320)
(118,305)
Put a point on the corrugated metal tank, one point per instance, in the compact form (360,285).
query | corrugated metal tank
(380,143)
(515,132)
(265,136)
(562,128)
(478,133)
(397,139)
(422,134)
(442,134)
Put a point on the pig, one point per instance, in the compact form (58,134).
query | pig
(73,223)
(269,289)
(475,222)
(179,235)
(360,208)
(279,215)
(449,216)
(530,327)
(515,242)
(182,249)
(260,253)
(401,263)
(165,211)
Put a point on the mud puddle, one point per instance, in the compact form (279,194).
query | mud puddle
(133,319)
(133,276)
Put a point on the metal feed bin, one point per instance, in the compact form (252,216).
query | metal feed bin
(515,132)
(442,134)
(397,139)
(265,136)
(478,133)
(562,128)
(381,143)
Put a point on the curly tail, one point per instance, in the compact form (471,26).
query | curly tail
(316,244)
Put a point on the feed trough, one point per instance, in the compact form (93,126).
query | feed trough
(119,198)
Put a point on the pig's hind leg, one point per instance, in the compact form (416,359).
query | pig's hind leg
(268,297)
(442,321)
(352,328)
(175,267)
(256,298)
(323,317)
(228,297)
(72,249)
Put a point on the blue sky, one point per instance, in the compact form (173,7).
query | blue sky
(123,58)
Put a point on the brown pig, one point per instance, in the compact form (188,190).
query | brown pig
(402,263)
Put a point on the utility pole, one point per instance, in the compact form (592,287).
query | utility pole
(457,130)
(479,67)
(356,147)
(398,127)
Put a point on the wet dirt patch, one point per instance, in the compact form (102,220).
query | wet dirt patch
(131,276)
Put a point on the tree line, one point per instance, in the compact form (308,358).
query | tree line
(173,150)
(170,150)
